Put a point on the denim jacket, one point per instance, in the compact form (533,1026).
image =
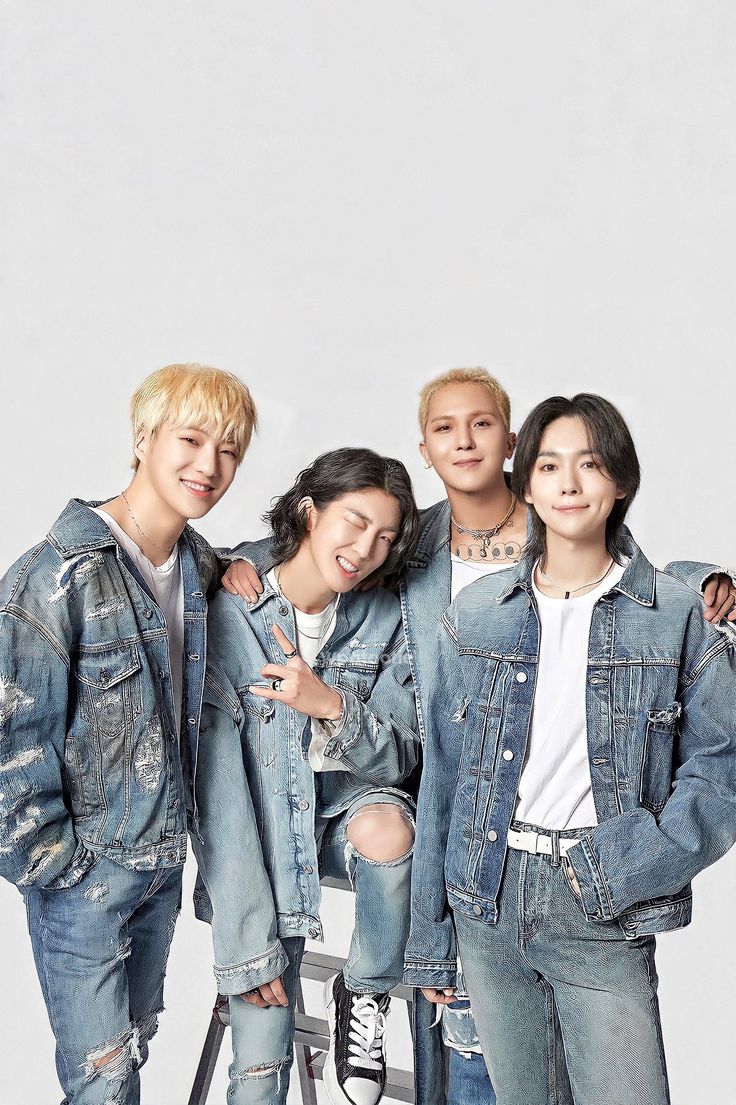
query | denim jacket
(426,587)
(662,753)
(257,794)
(89,757)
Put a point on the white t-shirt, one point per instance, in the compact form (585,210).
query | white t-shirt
(465,572)
(313,632)
(555,790)
(165,583)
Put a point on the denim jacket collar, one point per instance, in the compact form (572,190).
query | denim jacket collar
(78,530)
(435,531)
(434,535)
(349,614)
(637,582)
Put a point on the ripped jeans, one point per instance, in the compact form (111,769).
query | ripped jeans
(468,1079)
(262,1038)
(101,948)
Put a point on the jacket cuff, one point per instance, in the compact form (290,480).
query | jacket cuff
(243,977)
(426,973)
(596,899)
(715,572)
(81,862)
(348,728)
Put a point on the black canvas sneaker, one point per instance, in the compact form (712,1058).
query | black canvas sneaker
(355,1068)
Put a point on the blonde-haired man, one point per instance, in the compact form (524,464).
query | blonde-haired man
(102,655)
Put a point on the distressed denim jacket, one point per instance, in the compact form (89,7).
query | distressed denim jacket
(257,794)
(89,756)
(662,751)
(426,587)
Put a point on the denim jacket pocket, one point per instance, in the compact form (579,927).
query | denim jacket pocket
(656,764)
(261,726)
(110,691)
(359,682)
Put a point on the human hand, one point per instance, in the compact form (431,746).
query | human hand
(271,993)
(297,685)
(439,997)
(242,579)
(719,596)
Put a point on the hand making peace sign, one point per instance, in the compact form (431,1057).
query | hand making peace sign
(296,684)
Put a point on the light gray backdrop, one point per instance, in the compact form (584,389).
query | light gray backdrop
(336,200)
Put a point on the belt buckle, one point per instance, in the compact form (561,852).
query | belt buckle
(533,842)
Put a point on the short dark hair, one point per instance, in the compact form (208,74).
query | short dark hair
(609,437)
(328,478)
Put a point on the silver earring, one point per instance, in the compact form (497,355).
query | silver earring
(428,464)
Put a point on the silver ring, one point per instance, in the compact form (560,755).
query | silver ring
(289,655)
(276,684)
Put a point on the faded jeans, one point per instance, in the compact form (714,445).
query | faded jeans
(468,1082)
(566,1010)
(262,1038)
(101,949)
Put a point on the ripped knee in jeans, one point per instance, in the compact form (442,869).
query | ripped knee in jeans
(381,833)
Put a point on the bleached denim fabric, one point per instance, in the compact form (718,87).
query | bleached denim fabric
(100,949)
(95,786)
(257,795)
(662,750)
(262,1038)
(89,756)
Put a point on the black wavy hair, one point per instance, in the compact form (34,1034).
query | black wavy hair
(609,437)
(328,478)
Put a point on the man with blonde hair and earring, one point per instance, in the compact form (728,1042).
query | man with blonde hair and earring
(102,658)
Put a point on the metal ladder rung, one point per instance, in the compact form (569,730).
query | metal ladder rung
(399,1083)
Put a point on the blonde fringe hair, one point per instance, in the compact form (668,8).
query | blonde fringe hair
(197,396)
(464,376)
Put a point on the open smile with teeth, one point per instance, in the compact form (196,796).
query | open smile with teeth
(347,566)
(198,488)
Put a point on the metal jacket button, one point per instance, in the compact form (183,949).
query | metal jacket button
(493,835)
(283,611)
(521,677)
(477,911)
(303,805)
(508,754)
(308,868)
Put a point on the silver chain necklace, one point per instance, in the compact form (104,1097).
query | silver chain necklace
(168,549)
(484,536)
(330,610)
(574,590)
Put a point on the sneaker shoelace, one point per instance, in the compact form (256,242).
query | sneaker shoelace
(367,1028)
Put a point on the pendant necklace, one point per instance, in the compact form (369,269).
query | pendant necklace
(574,590)
(484,536)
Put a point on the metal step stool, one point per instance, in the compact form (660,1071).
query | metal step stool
(311,1038)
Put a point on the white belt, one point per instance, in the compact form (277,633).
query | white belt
(536,843)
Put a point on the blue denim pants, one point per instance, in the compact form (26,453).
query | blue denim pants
(262,1038)
(467,1082)
(566,1010)
(101,949)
